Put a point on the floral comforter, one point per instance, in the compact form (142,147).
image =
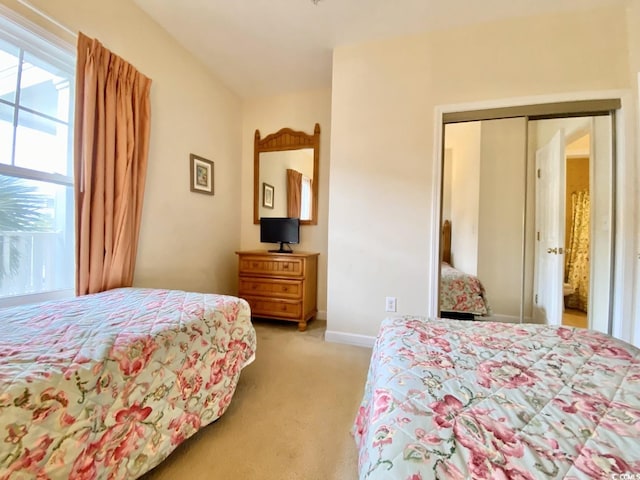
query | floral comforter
(484,400)
(461,292)
(107,385)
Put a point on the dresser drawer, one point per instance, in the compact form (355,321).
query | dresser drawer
(279,285)
(257,286)
(279,266)
(272,308)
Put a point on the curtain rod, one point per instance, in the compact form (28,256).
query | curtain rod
(47,17)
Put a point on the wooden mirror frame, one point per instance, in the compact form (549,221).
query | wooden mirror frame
(287,139)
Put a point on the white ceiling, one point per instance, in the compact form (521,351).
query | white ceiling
(267,47)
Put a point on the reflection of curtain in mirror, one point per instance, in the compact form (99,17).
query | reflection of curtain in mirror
(294,193)
(305,200)
(577,268)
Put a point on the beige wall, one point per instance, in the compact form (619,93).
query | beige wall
(464,140)
(382,150)
(298,111)
(187,240)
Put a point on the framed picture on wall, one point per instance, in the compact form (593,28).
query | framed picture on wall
(201,175)
(267,195)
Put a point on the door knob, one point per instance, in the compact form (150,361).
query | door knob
(552,250)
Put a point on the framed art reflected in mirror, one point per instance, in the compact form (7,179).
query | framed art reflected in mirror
(267,195)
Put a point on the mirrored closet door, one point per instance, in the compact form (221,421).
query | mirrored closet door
(527,213)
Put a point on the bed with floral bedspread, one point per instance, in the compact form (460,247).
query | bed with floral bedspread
(454,399)
(107,385)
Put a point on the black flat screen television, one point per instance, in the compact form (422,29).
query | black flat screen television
(282,230)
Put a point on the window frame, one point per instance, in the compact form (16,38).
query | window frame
(45,46)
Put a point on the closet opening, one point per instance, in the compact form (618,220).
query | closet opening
(527,214)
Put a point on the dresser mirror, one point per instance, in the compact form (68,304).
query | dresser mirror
(285,175)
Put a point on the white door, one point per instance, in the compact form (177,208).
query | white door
(549,249)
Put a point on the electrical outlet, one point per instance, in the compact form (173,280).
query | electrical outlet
(390,304)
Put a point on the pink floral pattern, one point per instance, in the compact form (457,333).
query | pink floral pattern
(461,292)
(499,401)
(107,385)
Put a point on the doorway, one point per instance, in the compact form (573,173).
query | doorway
(572,193)
(576,284)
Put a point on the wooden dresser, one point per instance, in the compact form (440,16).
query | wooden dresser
(281,286)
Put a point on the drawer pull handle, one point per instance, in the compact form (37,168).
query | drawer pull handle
(285,266)
(285,289)
(254,264)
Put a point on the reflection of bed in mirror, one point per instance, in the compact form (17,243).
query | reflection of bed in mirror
(462,295)
(501,205)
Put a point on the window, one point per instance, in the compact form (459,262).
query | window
(36,163)
(305,199)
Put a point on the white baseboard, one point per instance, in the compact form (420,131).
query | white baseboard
(349,338)
(502,318)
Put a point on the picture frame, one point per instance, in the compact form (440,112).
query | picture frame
(201,177)
(267,195)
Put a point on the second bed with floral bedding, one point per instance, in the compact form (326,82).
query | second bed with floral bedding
(107,385)
(453,399)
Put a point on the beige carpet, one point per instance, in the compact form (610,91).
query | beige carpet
(290,417)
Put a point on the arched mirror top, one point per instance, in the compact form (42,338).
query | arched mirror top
(285,175)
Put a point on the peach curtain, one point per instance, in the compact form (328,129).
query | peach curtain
(294,193)
(112,118)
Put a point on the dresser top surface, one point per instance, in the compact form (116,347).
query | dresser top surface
(273,254)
